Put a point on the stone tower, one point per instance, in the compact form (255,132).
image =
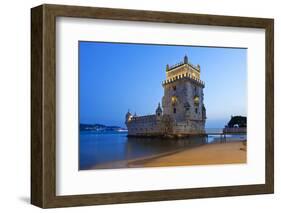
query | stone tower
(183,98)
(182,113)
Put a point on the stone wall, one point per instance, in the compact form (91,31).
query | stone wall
(164,125)
(143,125)
(184,108)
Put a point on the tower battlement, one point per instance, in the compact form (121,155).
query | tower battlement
(184,76)
(185,61)
(183,68)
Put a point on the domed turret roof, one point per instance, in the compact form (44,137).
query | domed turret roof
(159,109)
(128,113)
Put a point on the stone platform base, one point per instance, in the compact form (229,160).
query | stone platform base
(186,135)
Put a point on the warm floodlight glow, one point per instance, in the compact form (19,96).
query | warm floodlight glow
(196,100)
(174,100)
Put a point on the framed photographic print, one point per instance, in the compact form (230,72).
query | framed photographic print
(136,106)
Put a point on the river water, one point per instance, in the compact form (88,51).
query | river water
(98,148)
(102,147)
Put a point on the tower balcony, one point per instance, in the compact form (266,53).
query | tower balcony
(182,77)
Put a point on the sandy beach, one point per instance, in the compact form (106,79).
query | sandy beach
(215,153)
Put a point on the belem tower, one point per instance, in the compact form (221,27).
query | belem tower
(182,113)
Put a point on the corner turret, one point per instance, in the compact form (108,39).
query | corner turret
(128,116)
(167,67)
(185,60)
(158,110)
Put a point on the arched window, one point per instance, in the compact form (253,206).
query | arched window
(174,100)
(196,100)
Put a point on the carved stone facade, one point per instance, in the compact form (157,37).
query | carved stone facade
(183,110)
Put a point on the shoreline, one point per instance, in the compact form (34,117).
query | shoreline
(205,154)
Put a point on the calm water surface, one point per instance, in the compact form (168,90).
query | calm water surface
(97,148)
(102,147)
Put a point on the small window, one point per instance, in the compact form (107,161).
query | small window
(196,100)
(196,110)
(175,110)
(174,88)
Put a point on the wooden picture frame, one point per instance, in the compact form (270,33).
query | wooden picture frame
(43,105)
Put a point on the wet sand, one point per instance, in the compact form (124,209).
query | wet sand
(215,153)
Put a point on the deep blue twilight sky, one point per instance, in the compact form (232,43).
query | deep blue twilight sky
(117,77)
